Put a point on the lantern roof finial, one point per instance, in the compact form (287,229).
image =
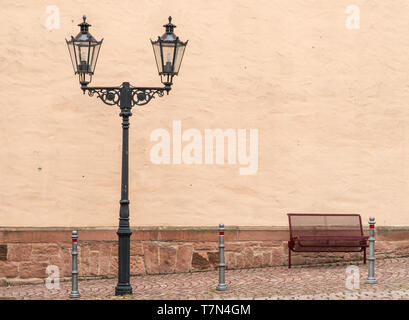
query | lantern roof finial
(84,25)
(169,26)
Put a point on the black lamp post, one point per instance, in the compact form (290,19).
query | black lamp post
(84,51)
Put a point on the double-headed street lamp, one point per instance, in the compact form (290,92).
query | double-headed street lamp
(84,51)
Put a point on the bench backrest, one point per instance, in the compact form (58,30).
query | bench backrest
(324,224)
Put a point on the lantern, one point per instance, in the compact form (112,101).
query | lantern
(168,50)
(84,51)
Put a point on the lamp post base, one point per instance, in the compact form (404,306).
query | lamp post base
(370,280)
(121,290)
(75,294)
(124,284)
(221,287)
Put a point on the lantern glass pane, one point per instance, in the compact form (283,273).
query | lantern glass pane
(70,45)
(168,51)
(93,56)
(180,50)
(156,51)
(82,51)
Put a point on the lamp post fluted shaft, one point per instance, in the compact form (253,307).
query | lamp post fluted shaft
(124,232)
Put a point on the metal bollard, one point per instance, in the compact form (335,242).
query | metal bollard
(221,286)
(371,259)
(74,293)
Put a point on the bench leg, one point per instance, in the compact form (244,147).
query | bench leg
(289,257)
(365,255)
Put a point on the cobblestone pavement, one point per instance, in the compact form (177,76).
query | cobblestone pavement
(276,283)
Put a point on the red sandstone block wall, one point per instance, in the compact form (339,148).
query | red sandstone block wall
(25,255)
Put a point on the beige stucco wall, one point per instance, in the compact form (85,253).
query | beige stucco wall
(329,103)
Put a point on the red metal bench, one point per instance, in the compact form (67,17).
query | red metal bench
(311,232)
